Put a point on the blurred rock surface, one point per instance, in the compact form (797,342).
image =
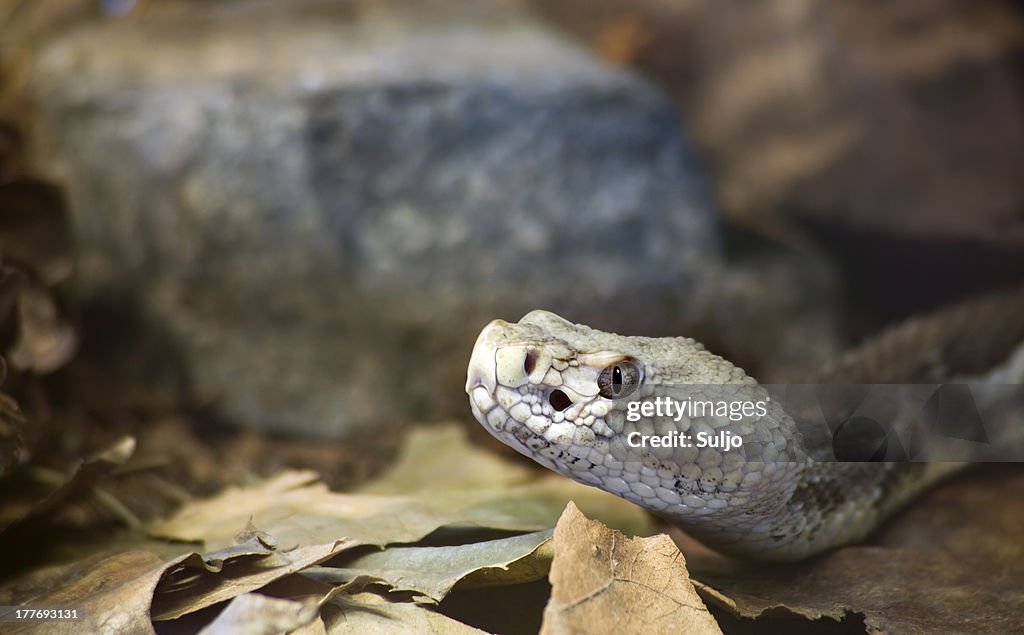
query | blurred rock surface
(322,203)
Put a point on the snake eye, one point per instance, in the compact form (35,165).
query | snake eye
(619,380)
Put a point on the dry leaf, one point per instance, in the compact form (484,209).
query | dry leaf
(604,582)
(44,343)
(296,509)
(254,614)
(433,571)
(425,463)
(195,582)
(124,592)
(112,594)
(441,458)
(370,614)
(85,476)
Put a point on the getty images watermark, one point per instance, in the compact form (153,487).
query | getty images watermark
(974,422)
(667,408)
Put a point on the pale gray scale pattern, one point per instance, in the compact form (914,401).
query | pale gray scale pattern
(768,500)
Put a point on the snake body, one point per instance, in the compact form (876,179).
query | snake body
(551,389)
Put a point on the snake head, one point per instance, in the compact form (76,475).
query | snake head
(561,394)
(546,386)
(558,393)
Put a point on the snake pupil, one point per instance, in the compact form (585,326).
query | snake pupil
(619,380)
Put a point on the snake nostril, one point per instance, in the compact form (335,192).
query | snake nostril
(530,362)
(559,400)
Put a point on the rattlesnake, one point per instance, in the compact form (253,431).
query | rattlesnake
(558,393)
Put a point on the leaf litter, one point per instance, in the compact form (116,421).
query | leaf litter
(449,518)
(265,534)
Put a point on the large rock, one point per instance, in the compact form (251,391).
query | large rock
(322,203)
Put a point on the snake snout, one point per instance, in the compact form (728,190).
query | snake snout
(505,355)
(481,371)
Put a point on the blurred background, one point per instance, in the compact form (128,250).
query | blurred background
(234,228)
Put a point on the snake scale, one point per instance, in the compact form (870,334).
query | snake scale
(553,391)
